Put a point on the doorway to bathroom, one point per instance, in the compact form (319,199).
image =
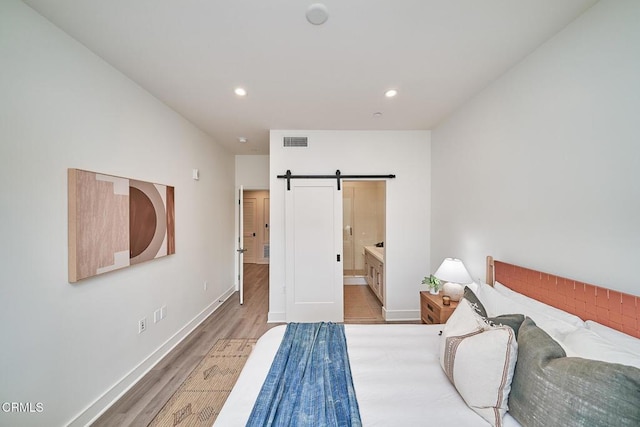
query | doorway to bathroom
(364,212)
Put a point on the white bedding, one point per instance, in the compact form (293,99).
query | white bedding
(396,375)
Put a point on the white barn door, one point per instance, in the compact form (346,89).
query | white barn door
(313,241)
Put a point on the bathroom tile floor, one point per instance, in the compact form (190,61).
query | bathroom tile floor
(361,305)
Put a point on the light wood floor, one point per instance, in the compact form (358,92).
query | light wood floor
(231,320)
(139,405)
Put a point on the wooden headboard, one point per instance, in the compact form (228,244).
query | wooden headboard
(614,309)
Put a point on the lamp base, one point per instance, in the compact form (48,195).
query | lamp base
(453,290)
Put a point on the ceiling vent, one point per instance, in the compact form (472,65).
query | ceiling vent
(296,141)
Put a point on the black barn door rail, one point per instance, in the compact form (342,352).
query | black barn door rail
(338,176)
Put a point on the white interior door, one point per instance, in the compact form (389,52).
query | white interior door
(267,234)
(313,241)
(240,249)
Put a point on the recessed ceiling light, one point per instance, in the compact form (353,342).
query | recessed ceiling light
(317,14)
(391,93)
(377,115)
(242,139)
(240,91)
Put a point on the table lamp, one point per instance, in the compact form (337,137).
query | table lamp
(455,274)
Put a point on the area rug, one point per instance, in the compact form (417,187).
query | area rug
(199,399)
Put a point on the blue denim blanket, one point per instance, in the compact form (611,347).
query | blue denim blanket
(309,383)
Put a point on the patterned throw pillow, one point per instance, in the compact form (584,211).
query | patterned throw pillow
(512,320)
(479,360)
(473,300)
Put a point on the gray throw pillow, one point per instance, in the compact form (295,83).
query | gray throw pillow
(550,389)
(512,320)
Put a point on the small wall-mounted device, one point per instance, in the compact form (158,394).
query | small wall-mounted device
(195,174)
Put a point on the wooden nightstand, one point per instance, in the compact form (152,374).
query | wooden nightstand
(432,311)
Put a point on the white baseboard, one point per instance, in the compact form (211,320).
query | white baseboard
(109,397)
(400,315)
(276,317)
(354,280)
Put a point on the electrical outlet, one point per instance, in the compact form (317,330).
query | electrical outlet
(142,325)
(156,316)
(163,312)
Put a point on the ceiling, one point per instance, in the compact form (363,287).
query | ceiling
(191,54)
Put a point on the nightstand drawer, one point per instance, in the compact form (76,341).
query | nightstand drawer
(429,312)
(432,311)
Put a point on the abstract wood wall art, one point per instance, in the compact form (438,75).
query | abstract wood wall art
(115,222)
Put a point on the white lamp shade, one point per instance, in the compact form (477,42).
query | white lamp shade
(453,270)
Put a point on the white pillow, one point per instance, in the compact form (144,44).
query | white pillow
(497,304)
(479,360)
(493,302)
(546,309)
(616,337)
(587,344)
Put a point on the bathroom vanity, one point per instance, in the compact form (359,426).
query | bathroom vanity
(374,270)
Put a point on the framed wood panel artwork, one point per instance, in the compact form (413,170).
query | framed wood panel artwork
(116,222)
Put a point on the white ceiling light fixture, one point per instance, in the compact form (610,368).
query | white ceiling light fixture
(317,14)
(391,93)
(240,91)
(242,140)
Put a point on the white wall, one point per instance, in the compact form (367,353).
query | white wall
(542,167)
(405,154)
(252,171)
(61,106)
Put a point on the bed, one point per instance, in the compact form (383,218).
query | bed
(401,376)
